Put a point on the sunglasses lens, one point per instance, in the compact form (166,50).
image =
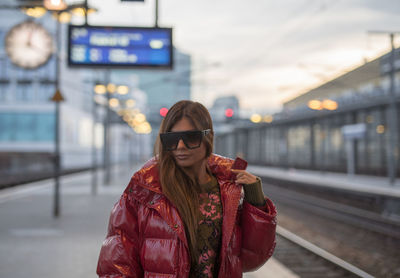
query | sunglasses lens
(169,141)
(192,139)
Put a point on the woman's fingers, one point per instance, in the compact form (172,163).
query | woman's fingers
(244,177)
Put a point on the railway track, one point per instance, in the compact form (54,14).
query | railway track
(309,261)
(345,213)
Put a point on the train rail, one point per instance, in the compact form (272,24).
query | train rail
(307,260)
(345,213)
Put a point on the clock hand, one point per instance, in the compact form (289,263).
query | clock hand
(29,43)
(41,49)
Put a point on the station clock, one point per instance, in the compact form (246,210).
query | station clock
(29,45)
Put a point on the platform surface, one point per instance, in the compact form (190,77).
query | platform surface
(356,183)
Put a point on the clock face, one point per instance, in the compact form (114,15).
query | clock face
(29,45)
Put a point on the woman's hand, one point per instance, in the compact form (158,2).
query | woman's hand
(243,177)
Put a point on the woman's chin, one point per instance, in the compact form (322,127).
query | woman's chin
(184,164)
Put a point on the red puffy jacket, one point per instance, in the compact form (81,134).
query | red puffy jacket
(146,236)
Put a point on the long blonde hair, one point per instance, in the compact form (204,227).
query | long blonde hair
(178,185)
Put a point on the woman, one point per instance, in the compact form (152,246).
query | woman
(182,214)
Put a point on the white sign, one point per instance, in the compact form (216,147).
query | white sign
(356,131)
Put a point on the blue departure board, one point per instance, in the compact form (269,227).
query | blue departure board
(110,46)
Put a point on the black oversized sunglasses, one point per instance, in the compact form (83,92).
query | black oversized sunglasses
(191,138)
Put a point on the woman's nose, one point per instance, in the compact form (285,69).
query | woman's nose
(181,145)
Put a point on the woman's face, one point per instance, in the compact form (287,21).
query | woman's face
(184,157)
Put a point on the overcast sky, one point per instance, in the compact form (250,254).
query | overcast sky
(263,51)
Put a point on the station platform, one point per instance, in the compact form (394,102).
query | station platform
(356,183)
(271,269)
(34,244)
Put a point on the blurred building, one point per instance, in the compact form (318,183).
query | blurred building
(27,116)
(352,134)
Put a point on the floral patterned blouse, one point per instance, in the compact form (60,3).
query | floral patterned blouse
(209,231)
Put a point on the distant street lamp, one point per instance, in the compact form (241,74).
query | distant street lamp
(111,88)
(35,11)
(63,12)
(256,118)
(268,118)
(113,102)
(130,103)
(54,5)
(380,129)
(62,17)
(315,104)
(122,90)
(327,104)
(100,89)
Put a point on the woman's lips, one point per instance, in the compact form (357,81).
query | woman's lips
(182,156)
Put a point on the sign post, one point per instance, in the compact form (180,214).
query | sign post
(57,98)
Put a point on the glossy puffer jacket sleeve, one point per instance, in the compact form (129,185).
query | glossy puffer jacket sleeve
(258,234)
(119,253)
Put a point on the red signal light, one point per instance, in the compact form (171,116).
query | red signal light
(229,112)
(163,111)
